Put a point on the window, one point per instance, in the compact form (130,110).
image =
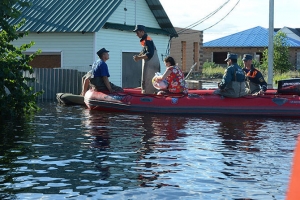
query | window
(46,60)
(219,57)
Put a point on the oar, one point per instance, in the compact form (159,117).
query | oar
(192,68)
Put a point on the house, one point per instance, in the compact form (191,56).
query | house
(293,33)
(70,32)
(252,41)
(187,49)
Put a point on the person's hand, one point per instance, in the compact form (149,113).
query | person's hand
(258,93)
(158,78)
(111,90)
(135,58)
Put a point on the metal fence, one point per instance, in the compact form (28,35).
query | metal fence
(53,81)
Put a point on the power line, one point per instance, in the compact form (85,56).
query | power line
(216,22)
(203,19)
(200,21)
(223,17)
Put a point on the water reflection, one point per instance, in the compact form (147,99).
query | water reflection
(134,147)
(240,133)
(75,153)
(160,136)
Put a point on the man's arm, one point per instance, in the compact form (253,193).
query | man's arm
(107,84)
(226,78)
(139,57)
(263,84)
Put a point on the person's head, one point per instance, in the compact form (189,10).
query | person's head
(247,61)
(169,61)
(231,59)
(140,30)
(103,54)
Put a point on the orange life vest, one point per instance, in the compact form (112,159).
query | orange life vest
(143,42)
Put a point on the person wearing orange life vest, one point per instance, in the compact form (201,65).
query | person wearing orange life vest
(255,82)
(149,57)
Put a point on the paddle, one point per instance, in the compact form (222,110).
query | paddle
(192,68)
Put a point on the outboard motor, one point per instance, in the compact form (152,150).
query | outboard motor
(289,86)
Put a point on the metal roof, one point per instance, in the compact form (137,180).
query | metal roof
(161,17)
(81,16)
(254,37)
(66,15)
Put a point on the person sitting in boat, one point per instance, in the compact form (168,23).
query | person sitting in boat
(174,77)
(233,82)
(98,77)
(255,82)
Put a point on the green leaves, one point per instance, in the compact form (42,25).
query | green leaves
(281,61)
(22,99)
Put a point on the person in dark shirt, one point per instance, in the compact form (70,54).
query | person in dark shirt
(148,55)
(233,82)
(255,82)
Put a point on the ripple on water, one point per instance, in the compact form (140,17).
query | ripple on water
(74,153)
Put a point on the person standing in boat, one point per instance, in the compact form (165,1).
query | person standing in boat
(98,78)
(233,82)
(174,77)
(149,57)
(255,82)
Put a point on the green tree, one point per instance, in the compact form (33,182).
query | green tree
(281,61)
(16,97)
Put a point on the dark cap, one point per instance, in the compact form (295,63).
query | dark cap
(101,51)
(247,57)
(231,56)
(139,28)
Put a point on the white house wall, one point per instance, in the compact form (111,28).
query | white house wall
(137,12)
(76,49)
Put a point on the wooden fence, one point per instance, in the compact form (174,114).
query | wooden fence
(53,81)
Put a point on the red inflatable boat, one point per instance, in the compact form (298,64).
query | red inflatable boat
(196,102)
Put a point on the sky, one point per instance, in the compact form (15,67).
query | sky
(247,14)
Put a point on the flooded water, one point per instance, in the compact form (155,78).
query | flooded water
(74,153)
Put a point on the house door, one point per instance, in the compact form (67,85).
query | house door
(131,71)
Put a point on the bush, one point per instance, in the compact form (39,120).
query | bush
(16,98)
(216,72)
(210,65)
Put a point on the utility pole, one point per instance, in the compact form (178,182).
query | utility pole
(271,44)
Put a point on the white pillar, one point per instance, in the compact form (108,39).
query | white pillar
(271,44)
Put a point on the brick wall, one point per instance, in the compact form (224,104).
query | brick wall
(186,49)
